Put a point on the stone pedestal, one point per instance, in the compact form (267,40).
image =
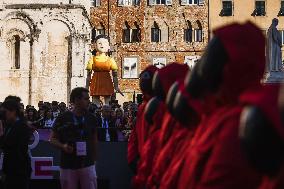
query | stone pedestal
(274,77)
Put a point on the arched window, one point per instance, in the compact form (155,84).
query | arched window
(160,2)
(188,32)
(155,33)
(126,34)
(198,32)
(260,9)
(99,30)
(95,3)
(16,52)
(136,33)
(94,34)
(128,2)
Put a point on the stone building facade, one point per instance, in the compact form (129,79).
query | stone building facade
(145,32)
(43,48)
(260,12)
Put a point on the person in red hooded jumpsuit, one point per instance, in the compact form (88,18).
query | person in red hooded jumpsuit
(154,114)
(262,134)
(233,63)
(174,132)
(139,134)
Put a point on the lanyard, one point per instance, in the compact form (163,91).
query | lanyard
(8,131)
(77,123)
(105,123)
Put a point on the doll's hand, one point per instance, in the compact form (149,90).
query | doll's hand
(119,91)
(88,79)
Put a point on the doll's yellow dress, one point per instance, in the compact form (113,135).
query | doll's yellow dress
(101,83)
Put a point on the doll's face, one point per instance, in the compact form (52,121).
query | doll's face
(102,45)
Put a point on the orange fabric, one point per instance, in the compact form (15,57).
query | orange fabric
(101,63)
(101,84)
(101,66)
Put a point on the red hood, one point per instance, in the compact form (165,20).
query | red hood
(171,73)
(146,77)
(245,46)
(195,104)
(266,98)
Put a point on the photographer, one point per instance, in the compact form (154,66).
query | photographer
(74,133)
(120,124)
(107,130)
(14,139)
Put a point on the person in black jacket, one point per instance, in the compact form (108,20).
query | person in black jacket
(14,139)
(106,129)
(75,134)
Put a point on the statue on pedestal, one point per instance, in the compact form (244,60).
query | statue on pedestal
(273,48)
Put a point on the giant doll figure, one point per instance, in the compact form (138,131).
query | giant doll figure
(100,65)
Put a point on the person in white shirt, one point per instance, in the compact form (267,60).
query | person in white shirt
(120,125)
(48,119)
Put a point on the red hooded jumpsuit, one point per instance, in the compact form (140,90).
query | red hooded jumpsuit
(167,76)
(214,159)
(140,132)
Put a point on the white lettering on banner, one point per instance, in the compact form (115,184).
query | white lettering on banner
(43,168)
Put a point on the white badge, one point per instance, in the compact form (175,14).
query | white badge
(107,136)
(81,149)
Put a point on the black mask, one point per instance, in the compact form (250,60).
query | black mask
(171,97)
(207,75)
(157,87)
(260,142)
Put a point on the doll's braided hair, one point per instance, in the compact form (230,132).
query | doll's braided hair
(94,52)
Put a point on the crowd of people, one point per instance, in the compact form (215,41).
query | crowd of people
(75,130)
(121,118)
(217,126)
